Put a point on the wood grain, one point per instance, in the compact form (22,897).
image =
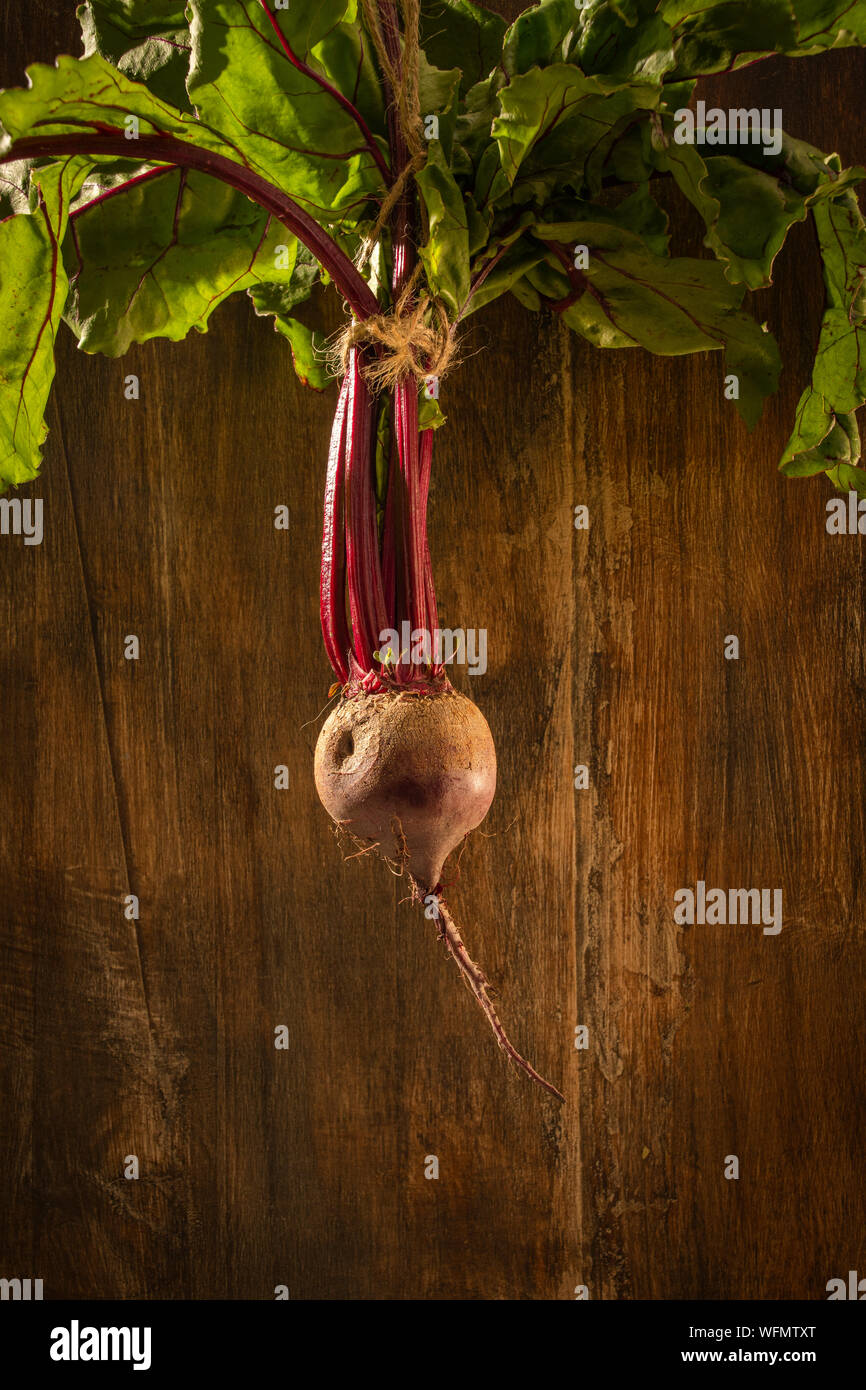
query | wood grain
(306,1167)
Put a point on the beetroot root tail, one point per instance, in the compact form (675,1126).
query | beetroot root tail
(481,988)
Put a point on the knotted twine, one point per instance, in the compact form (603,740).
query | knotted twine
(416,338)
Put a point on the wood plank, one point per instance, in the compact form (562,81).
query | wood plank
(306,1167)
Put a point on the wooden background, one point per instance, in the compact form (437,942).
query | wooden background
(306,1167)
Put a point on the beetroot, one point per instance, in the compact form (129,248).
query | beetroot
(413,771)
(404,764)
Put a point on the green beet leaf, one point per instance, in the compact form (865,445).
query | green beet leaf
(139,18)
(553,120)
(298,135)
(309,350)
(713,37)
(438,92)
(539,36)
(78,95)
(33,290)
(155,257)
(825,432)
(821,440)
(14,187)
(456,34)
(446,252)
(636,212)
(709,37)
(623,42)
(747,210)
(278,299)
(539,137)
(828,24)
(148,42)
(522,255)
(670,306)
(847,477)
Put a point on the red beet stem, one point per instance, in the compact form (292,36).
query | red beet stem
(363,565)
(426,469)
(389,548)
(332,590)
(388,582)
(168,149)
(406,411)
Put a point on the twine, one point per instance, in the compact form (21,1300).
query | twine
(404,84)
(415,339)
(403,80)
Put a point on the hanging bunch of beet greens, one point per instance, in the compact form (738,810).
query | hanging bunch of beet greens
(425,158)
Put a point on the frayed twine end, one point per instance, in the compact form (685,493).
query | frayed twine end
(416,339)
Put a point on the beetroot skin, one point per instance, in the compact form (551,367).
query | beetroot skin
(410,772)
